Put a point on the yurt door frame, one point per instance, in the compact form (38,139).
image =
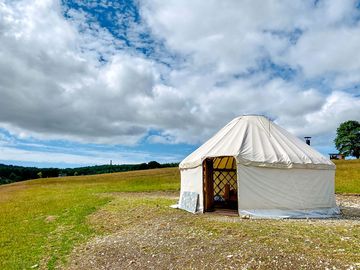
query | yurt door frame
(220,183)
(208,177)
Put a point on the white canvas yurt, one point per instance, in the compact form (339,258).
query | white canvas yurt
(261,170)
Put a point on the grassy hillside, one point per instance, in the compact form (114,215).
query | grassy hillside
(10,174)
(42,220)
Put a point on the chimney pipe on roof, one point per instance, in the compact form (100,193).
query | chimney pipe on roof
(307,140)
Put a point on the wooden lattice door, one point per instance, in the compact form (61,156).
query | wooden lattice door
(220,183)
(225,188)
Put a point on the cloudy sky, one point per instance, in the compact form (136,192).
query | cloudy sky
(83,82)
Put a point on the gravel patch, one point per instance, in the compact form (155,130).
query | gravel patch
(175,240)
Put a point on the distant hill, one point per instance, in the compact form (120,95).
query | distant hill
(10,173)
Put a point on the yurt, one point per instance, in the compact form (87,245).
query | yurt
(261,170)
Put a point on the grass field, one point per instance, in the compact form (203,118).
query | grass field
(41,221)
(347,176)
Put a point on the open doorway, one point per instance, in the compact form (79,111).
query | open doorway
(220,183)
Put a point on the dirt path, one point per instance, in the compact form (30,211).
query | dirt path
(142,232)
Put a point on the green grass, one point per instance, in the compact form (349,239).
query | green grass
(42,220)
(29,237)
(347,176)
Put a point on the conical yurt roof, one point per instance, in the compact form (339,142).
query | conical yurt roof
(255,140)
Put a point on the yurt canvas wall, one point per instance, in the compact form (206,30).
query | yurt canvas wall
(272,192)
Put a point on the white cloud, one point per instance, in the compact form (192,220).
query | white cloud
(337,108)
(51,89)
(14,154)
(53,85)
(219,37)
(225,39)
(84,158)
(327,51)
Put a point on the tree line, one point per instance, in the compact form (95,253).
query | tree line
(10,173)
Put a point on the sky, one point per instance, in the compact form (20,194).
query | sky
(86,82)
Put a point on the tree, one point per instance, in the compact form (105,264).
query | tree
(14,177)
(154,165)
(347,139)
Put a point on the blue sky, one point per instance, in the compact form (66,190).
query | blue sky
(86,82)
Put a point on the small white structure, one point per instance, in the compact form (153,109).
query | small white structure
(262,170)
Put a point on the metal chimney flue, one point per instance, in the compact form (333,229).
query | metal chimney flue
(307,140)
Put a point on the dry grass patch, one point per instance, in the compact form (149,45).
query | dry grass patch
(143,232)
